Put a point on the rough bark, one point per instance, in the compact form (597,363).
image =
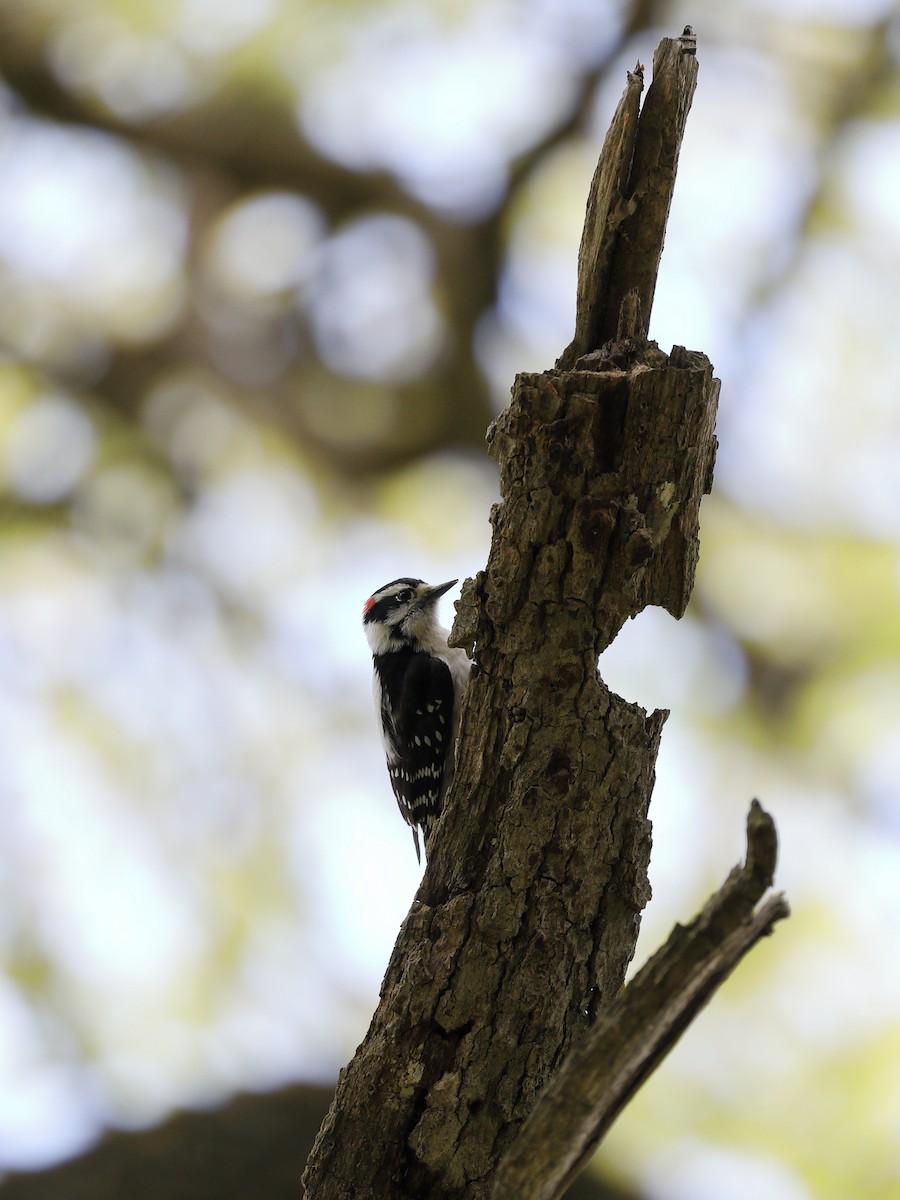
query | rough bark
(529,910)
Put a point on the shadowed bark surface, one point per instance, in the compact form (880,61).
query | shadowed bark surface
(529,911)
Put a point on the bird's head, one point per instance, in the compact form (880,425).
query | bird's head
(401,613)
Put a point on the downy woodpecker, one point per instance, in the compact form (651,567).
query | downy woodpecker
(418,682)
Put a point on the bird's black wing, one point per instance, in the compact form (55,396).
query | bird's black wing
(424,726)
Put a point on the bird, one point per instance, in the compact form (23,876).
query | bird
(418,682)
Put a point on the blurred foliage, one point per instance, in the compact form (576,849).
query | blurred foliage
(267,270)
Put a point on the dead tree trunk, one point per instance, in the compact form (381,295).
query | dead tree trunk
(518,940)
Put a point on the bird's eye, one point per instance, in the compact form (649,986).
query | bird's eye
(405,595)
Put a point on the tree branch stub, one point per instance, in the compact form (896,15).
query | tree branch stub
(633,1036)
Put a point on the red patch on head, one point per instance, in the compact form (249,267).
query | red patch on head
(368,604)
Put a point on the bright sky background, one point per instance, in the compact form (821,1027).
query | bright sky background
(186,788)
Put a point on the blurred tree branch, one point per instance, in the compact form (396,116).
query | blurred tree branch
(254,1145)
(528,914)
(243,140)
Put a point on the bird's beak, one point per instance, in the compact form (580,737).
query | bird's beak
(434,593)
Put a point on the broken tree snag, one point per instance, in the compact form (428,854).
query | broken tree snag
(630,198)
(606,207)
(641,1027)
(529,909)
